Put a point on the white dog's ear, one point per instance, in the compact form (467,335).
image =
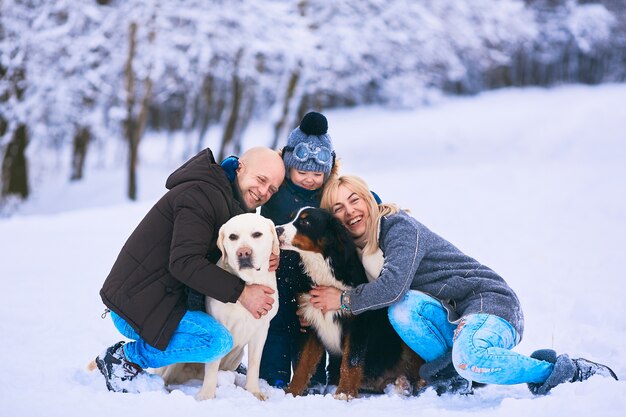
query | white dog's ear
(220,245)
(275,241)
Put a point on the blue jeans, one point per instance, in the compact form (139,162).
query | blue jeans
(481,343)
(198,338)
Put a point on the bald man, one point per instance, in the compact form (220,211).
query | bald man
(259,174)
(172,250)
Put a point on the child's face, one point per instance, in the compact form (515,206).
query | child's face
(310,180)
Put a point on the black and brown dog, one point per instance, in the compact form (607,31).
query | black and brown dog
(372,354)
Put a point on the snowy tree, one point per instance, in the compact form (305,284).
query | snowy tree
(78,78)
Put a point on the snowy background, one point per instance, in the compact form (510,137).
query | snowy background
(531,182)
(76,81)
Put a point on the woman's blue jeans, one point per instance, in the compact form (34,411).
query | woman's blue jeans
(480,343)
(198,338)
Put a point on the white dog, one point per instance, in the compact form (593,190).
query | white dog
(246,242)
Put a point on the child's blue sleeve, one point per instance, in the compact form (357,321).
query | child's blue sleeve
(230,166)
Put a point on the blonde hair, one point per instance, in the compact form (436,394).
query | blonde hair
(358,186)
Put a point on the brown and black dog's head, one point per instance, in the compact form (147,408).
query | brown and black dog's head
(324,245)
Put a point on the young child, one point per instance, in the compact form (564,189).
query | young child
(309,162)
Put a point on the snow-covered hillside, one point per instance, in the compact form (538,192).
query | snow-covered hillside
(530,182)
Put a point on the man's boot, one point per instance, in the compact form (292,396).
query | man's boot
(121,375)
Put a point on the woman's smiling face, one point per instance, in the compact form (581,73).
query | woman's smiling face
(352,211)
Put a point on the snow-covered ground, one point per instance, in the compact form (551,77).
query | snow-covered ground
(531,182)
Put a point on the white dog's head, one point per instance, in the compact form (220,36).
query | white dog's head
(246,242)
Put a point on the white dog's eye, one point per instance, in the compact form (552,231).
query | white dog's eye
(233,236)
(257,234)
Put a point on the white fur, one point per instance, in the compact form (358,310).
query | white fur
(244,328)
(321,272)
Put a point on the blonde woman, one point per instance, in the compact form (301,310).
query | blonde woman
(460,316)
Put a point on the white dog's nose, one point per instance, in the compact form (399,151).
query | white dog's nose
(244,252)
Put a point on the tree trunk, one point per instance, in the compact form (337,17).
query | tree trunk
(231,124)
(205,117)
(280,124)
(135,125)
(130,118)
(235,108)
(14,165)
(248,99)
(81,142)
(307,103)
(4,125)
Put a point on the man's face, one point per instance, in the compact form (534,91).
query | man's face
(258,182)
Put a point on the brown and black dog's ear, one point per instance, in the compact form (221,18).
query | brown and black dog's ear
(347,244)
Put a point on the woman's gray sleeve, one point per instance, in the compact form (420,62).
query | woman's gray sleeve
(400,240)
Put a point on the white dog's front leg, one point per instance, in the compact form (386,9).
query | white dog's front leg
(255,350)
(209,385)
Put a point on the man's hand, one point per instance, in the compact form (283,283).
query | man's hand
(274,260)
(255,298)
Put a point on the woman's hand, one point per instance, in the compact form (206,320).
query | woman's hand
(326,298)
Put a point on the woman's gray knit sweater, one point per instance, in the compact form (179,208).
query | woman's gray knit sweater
(418,259)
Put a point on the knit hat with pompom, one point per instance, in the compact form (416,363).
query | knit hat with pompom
(309,147)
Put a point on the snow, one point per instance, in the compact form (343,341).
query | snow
(531,182)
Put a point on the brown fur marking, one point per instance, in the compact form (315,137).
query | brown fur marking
(307,363)
(351,376)
(303,242)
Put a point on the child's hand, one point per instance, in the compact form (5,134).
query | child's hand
(304,324)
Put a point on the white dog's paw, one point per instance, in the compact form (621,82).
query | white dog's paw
(205,395)
(260,396)
(255,390)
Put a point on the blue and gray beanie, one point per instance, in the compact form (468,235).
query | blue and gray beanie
(309,147)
